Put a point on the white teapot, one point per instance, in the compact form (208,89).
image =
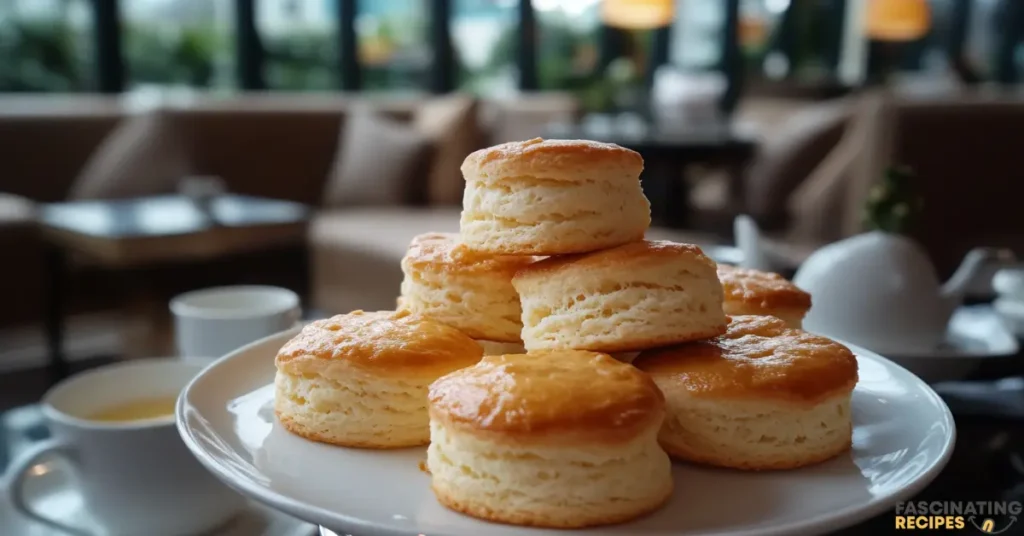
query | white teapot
(879,290)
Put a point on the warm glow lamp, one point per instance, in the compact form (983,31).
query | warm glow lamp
(637,14)
(897,20)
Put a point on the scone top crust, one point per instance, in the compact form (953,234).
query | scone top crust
(632,254)
(383,343)
(761,290)
(442,252)
(758,357)
(566,160)
(548,396)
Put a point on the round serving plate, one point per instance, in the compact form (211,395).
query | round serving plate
(903,435)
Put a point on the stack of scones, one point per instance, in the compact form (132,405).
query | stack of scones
(553,359)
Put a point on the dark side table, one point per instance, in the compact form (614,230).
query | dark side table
(121,235)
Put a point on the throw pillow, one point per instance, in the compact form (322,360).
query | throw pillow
(376,162)
(452,125)
(142,156)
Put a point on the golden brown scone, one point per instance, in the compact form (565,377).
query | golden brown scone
(550,197)
(501,348)
(640,295)
(360,379)
(468,290)
(553,439)
(752,292)
(762,396)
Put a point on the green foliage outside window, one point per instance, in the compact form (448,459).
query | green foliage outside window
(39,55)
(559,65)
(180,57)
(302,62)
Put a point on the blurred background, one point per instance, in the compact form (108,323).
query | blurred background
(151,147)
(311,138)
(155,146)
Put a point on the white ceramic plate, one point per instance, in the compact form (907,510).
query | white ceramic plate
(903,436)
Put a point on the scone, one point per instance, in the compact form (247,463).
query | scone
(550,197)
(762,396)
(641,295)
(361,379)
(752,292)
(464,289)
(499,348)
(567,439)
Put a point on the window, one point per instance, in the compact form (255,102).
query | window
(789,39)
(393,48)
(995,40)
(567,49)
(300,39)
(569,52)
(697,34)
(484,35)
(178,43)
(45,45)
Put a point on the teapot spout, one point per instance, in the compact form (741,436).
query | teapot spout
(954,289)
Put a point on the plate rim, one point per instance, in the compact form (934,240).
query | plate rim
(835,520)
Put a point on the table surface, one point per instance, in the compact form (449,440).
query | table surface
(153,230)
(171,215)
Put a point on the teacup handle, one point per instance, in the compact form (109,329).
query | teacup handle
(19,471)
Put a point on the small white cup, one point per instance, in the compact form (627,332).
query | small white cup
(136,477)
(211,322)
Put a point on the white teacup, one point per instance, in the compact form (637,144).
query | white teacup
(136,476)
(211,322)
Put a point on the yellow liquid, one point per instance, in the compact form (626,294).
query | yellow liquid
(137,410)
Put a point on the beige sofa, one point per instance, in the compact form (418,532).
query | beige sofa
(58,148)
(356,253)
(281,146)
(965,149)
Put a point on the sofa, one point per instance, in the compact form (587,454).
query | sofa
(963,147)
(280,146)
(60,148)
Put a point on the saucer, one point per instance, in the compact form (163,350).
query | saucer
(975,333)
(50,490)
(903,436)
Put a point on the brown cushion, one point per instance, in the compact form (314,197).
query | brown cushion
(451,124)
(142,156)
(263,149)
(790,155)
(377,163)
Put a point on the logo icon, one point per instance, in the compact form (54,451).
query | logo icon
(988,525)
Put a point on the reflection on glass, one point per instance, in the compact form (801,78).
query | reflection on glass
(44,45)
(91,218)
(697,32)
(299,37)
(159,216)
(567,48)
(393,48)
(484,34)
(178,43)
